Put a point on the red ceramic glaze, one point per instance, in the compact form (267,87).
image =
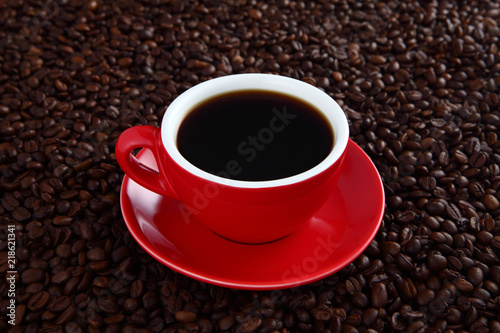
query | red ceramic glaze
(251,212)
(336,234)
(246,215)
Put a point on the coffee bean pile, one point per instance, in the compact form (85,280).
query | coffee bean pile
(418,80)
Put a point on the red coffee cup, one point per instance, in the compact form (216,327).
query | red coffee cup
(251,212)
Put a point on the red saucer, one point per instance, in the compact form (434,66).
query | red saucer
(336,236)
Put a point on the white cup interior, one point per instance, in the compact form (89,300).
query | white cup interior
(187,101)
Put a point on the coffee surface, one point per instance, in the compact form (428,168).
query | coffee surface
(255,136)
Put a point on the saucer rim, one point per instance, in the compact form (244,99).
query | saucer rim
(151,249)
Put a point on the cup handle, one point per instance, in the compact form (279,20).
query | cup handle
(142,137)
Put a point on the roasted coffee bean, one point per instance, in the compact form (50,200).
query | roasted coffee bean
(136,289)
(130,305)
(96,254)
(98,265)
(491,202)
(495,242)
(63,250)
(425,110)
(150,300)
(21,214)
(67,315)
(225,323)
(37,302)
(251,325)
(59,304)
(185,316)
(107,304)
(475,275)
(71,285)
(62,220)
(379,295)
(476,189)
(412,247)
(32,275)
(464,285)
(10,203)
(436,262)
(425,297)
(61,277)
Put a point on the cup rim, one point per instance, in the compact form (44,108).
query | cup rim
(188,100)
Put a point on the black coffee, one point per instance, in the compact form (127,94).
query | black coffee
(255,135)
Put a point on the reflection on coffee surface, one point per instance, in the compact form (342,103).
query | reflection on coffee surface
(255,136)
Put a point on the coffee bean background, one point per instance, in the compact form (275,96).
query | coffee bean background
(418,80)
